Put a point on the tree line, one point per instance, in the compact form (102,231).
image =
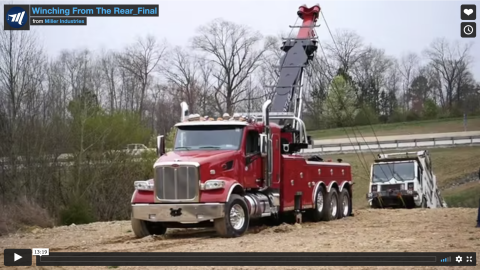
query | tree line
(87,103)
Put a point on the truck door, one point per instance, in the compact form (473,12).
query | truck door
(253,160)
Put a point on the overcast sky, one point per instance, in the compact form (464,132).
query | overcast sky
(396,26)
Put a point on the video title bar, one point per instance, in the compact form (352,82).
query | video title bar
(94,10)
(256,259)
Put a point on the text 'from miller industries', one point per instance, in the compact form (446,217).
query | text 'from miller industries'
(58,21)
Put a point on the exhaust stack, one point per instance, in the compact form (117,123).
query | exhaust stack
(268,133)
(184,107)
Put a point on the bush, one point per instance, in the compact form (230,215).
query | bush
(412,116)
(397,116)
(430,109)
(366,116)
(77,211)
(23,214)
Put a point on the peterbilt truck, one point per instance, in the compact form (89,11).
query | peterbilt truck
(226,173)
(404,180)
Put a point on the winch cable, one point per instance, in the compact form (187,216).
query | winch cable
(360,156)
(362,108)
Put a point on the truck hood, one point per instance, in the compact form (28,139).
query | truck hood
(202,157)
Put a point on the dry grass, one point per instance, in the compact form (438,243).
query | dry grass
(23,215)
(406,128)
(449,165)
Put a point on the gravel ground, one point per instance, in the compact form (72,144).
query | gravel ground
(402,230)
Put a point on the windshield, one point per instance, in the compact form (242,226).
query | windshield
(208,137)
(400,171)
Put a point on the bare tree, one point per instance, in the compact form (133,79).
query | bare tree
(450,60)
(346,49)
(109,71)
(141,59)
(408,67)
(235,51)
(182,71)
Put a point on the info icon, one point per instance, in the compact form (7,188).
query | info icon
(468,12)
(468,30)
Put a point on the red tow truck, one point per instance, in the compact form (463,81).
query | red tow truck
(225,173)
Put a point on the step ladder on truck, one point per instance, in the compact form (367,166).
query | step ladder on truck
(228,171)
(404,180)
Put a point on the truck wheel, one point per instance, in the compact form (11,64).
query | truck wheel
(345,204)
(235,222)
(318,212)
(143,228)
(331,205)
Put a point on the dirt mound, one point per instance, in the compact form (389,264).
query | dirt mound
(451,229)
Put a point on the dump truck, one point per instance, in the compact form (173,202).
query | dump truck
(404,180)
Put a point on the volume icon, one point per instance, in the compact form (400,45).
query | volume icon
(448,259)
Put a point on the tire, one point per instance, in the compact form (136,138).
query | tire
(224,227)
(331,205)
(143,228)
(318,212)
(345,204)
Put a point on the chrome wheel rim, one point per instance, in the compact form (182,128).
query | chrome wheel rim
(333,206)
(345,205)
(237,217)
(320,202)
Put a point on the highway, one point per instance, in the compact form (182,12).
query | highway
(400,142)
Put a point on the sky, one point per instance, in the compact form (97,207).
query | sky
(396,26)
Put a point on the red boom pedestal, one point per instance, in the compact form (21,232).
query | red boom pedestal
(309,17)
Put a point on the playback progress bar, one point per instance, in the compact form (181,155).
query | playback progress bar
(253,259)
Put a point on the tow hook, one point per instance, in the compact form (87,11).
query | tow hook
(175,212)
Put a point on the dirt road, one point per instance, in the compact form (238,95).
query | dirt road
(369,230)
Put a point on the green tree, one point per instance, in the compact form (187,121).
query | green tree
(340,103)
(430,109)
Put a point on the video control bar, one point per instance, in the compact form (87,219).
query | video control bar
(256,259)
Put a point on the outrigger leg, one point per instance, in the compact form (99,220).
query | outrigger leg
(380,201)
(401,199)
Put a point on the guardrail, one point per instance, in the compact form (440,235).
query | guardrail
(356,146)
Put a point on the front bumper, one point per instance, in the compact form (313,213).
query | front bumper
(392,194)
(184,213)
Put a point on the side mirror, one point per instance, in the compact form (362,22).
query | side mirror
(160,145)
(263,145)
(310,142)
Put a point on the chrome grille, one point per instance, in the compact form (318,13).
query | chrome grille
(176,183)
(392,187)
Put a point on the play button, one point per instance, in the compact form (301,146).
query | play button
(17,257)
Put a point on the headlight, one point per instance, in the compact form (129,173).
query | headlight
(143,185)
(369,195)
(212,184)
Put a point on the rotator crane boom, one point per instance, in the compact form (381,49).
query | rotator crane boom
(298,52)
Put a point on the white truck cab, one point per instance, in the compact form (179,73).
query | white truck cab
(404,180)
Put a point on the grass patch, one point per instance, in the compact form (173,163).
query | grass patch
(466,195)
(449,165)
(405,128)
